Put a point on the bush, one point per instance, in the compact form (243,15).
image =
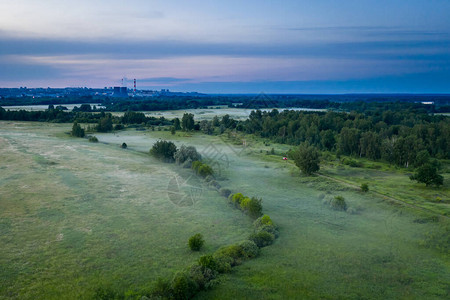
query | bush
(202,276)
(164,150)
(261,221)
(262,238)
(205,170)
(223,263)
(338,203)
(196,242)
(77,131)
(249,249)
(118,127)
(124,146)
(364,187)
(236,199)
(183,286)
(93,139)
(254,207)
(162,288)
(234,252)
(185,153)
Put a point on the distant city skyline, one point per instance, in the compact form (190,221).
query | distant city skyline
(228,46)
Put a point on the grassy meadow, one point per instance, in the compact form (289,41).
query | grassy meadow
(77,215)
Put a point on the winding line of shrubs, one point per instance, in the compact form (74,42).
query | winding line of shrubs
(251,206)
(203,274)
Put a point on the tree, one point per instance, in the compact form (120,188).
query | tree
(77,130)
(176,124)
(105,124)
(187,122)
(428,174)
(306,158)
(164,150)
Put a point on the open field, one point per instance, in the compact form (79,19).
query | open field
(77,215)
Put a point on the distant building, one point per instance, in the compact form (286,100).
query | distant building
(120,91)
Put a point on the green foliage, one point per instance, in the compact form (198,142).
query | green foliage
(251,206)
(93,139)
(105,124)
(164,150)
(205,170)
(264,220)
(249,249)
(183,286)
(254,207)
(306,158)
(364,187)
(185,153)
(176,124)
(187,122)
(234,252)
(338,203)
(428,174)
(202,276)
(77,131)
(196,242)
(132,117)
(265,223)
(172,130)
(262,238)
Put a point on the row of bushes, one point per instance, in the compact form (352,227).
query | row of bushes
(203,274)
(251,206)
(202,169)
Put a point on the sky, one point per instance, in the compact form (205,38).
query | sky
(291,46)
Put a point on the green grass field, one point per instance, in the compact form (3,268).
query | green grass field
(77,215)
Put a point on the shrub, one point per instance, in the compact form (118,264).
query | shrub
(254,207)
(262,238)
(202,276)
(270,229)
(223,263)
(196,165)
(236,199)
(364,187)
(225,192)
(118,127)
(338,203)
(185,153)
(205,170)
(196,242)
(249,249)
(161,289)
(77,131)
(124,146)
(93,139)
(264,220)
(183,287)
(164,150)
(235,252)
